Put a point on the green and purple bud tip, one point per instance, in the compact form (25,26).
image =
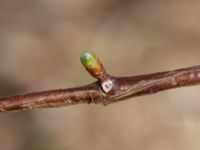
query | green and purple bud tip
(92,64)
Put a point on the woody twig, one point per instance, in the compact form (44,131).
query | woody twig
(106,90)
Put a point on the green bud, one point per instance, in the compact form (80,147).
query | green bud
(89,60)
(92,64)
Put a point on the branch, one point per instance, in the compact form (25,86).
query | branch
(106,90)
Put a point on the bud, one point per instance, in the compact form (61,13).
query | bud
(92,64)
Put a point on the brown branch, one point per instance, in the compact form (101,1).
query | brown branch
(106,90)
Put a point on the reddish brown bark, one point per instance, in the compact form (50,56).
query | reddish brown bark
(123,88)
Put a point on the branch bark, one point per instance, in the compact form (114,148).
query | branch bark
(106,90)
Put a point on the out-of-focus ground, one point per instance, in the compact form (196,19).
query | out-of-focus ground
(40,45)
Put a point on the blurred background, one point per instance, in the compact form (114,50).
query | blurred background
(40,45)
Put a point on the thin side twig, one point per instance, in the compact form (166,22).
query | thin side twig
(106,90)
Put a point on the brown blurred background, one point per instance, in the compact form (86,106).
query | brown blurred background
(40,45)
